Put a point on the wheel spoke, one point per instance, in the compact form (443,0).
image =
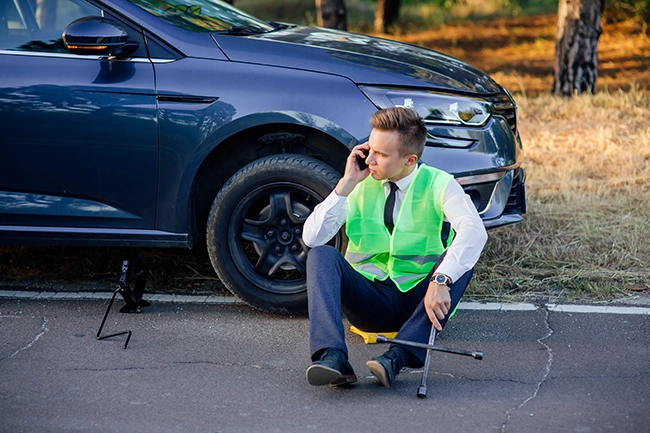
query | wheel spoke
(266,265)
(300,262)
(280,205)
(270,263)
(287,258)
(253,231)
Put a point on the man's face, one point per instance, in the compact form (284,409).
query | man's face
(384,160)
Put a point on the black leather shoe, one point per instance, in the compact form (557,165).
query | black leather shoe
(331,369)
(386,367)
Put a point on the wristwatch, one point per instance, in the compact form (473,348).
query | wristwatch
(441,279)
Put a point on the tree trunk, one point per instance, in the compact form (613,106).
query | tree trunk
(331,14)
(576,46)
(386,13)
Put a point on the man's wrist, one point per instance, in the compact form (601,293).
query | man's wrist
(344,187)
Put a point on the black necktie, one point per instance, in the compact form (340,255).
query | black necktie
(390,206)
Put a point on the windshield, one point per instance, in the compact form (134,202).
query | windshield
(204,16)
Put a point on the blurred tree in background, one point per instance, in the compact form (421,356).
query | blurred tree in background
(331,14)
(386,14)
(576,46)
(576,41)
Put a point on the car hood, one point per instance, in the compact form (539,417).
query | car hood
(363,59)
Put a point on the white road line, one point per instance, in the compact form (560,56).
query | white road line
(213,299)
(497,306)
(557,308)
(598,309)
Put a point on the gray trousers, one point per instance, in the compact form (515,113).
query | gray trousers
(335,288)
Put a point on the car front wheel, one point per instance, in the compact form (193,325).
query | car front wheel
(254,232)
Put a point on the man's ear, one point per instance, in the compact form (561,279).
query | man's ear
(412,159)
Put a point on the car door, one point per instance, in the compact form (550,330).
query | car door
(79,140)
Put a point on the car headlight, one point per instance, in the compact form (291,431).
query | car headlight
(434,108)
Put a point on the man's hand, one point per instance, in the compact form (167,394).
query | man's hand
(437,303)
(352,175)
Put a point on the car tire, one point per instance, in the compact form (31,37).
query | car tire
(254,230)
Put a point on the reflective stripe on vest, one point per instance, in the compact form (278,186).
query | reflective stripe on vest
(408,254)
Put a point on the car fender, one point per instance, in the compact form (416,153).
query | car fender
(336,131)
(200,181)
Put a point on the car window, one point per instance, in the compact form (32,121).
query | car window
(204,16)
(37,25)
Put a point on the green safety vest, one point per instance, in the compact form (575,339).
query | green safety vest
(408,254)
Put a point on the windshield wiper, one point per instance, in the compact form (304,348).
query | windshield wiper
(280,26)
(242,31)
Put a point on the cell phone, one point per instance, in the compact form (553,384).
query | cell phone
(361,162)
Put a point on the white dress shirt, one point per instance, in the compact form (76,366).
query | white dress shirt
(329,216)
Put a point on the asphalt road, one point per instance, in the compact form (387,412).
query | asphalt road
(227,368)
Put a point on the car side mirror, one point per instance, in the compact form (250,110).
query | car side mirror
(98,36)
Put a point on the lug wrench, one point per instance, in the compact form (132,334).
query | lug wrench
(476,355)
(422,390)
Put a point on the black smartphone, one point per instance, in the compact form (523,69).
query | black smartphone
(361,162)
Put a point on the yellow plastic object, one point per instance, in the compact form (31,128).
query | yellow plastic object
(371,337)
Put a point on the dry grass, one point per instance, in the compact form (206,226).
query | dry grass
(588,165)
(589,144)
(586,235)
(588,161)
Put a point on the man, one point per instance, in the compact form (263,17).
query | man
(404,269)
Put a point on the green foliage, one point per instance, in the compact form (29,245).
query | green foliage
(529,7)
(622,10)
(418,14)
(291,11)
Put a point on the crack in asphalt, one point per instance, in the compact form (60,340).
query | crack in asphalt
(31,343)
(549,363)
(101,370)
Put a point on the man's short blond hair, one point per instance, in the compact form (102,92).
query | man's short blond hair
(407,123)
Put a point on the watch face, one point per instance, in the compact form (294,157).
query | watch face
(441,279)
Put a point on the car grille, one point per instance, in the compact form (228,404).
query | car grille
(516,199)
(504,107)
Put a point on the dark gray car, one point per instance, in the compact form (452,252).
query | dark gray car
(155,123)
